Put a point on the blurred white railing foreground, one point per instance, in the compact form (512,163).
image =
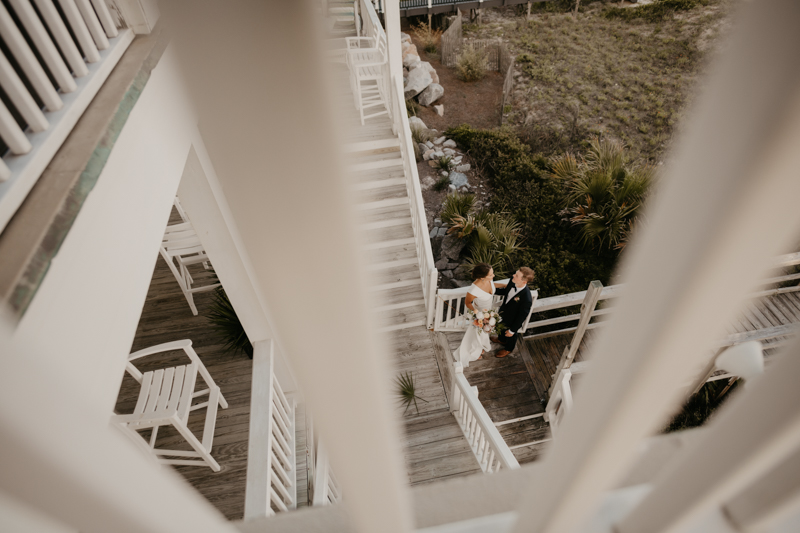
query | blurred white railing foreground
(57,65)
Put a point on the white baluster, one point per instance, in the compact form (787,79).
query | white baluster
(62,37)
(5,173)
(44,45)
(28,62)
(80,30)
(94,26)
(20,97)
(11,133)
(105,18)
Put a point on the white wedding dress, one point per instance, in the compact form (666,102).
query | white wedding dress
(475,341)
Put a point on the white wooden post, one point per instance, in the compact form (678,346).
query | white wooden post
(587,308)
(456,369)
(534,297)
(259,444)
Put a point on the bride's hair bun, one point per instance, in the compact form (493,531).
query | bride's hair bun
(481,270)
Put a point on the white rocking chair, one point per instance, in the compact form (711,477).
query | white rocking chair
(165,398)
(181,248)
(366,58)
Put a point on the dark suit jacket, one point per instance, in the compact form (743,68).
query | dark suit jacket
(516,310)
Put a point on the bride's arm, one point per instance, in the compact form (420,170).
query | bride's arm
(468,301)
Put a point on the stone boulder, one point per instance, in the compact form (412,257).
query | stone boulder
(439,110)
(405,38)
(432,92)
(459,180)
(411,58)
(427,66)
(451,247)
(450,143)
(416,121)
(418,80)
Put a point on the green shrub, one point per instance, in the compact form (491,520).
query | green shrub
(525,192)
(471,64)
(605,193)
(444,163)
(457,205)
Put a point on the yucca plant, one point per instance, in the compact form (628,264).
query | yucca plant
(493,237)
(444,163)
(407,391)
(225,323)
(605,193)
(457,205)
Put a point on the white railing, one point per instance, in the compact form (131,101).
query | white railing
(450,305)
(324,489)
(397,111)
(563,301)
(560,402)
(484,439)
(79,51)
(272,457)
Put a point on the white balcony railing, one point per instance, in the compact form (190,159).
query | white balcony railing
(57,65)
(484,439)
(449,308)
(324,489)
(272,457)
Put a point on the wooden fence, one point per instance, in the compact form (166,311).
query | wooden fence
(507,60)
(451,42)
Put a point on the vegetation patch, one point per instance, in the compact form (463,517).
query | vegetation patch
(655,12)
(525,192)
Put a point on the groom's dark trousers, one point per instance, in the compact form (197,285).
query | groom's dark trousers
(514,313)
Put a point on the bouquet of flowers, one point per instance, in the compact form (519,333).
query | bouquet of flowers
(485,319)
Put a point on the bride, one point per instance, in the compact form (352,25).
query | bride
(479,297)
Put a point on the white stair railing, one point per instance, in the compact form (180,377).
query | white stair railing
(397,111)
(560,402)
(449,308)
(325,489)
(272,458)
(484,439)
(79,51)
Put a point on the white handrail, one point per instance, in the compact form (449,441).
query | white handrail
(449,308)
(484,439)
(560,402)
(77,78)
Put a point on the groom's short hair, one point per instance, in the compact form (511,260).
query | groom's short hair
(528,273)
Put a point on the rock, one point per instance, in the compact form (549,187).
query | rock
(442,232)
(423,148)
(432,92)
(418,80)
(451,247)
(441,264)
(428,182)
(463,168)
(429,144)
(427,66)
(432,163)
(451,266)
(439,110)
(463,272)
(445,173)
(447,273)
(450,143)
(427,155)
(434,232)
(437,221)
(457,179)
(411,58)
(452,187)
(449,151)
(405,38)
(460,283)
(457,159)
(440,140)
(416,121)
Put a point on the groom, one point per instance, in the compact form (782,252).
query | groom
(514,310)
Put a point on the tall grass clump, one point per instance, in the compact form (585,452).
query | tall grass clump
(471,64)
(457,205)
(429,37)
